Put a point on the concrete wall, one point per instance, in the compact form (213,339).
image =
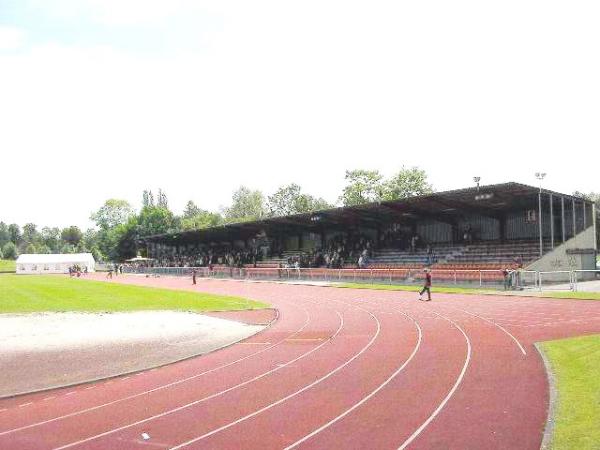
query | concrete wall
(561,259)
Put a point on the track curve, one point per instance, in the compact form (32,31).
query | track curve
(339,368)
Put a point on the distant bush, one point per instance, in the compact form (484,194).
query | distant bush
(9,251)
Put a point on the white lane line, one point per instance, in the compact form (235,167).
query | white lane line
(281,400)
(366,398)
(165,386)
(49,398)
(125,378)
(3,409)
(424,425)
(501,328)
(171,411)
(25,404)
(90,387)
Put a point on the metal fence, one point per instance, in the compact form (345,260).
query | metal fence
(517,280)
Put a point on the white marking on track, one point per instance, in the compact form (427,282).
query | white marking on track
(71,393)
(25,404)
(500,327)
(424,425)
(3,409)
(183,380)
(371,394)
(281,400)
(49,398)
(171,411)
(90,387)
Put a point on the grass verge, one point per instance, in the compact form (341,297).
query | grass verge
(398,287)
(36,293)
(576,365)
(575,295)
(473,291)
(7,265)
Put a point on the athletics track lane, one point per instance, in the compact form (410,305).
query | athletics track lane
(500,403)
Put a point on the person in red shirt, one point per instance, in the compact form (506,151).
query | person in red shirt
(427,286)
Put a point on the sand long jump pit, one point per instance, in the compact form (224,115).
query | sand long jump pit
(47,350)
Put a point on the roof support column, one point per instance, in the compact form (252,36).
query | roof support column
(594,225)
(574,219)
(551,222)
(540,222)
(584,218)
(562,214)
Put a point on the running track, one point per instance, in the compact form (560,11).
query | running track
(340,368)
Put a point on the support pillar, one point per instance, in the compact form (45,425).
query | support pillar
(584,218)
(594,225)
(551,222)
(540,222)
(562,213)
(574,218)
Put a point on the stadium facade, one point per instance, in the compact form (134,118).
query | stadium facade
(487,226)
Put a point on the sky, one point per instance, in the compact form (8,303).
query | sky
(105,98)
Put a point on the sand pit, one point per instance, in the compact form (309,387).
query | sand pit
(45,350)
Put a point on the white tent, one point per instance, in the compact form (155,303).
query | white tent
(54,263)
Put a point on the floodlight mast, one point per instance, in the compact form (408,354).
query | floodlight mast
(540,176)
(477,180)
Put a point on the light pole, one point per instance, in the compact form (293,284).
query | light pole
(540,176)
(477,180)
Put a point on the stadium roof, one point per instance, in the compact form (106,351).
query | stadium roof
(448,206)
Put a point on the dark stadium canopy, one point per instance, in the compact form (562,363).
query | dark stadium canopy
(449,206)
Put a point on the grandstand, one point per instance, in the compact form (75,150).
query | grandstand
(488,227)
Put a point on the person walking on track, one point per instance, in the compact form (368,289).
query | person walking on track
(194,276)
(427,286)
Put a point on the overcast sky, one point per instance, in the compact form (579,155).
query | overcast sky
(104,98)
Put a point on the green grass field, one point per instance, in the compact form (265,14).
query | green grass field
(7,265)
(33,293)
(576,365)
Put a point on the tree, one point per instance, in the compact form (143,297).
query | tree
(203,219)
(191,210)
(406,183)
(30,234)
(155,220)
(162,200)
(147,199)
(51,238)
(71,235)
(31,249)
(10,250)
(290,200)
(246,205)
(15,233)
(114,212)
(592,196)
(4,234)
(362,186)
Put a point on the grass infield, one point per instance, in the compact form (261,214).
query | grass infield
(36,293)
(7,265)
(576,365)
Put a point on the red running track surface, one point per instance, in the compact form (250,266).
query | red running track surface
(340,368)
